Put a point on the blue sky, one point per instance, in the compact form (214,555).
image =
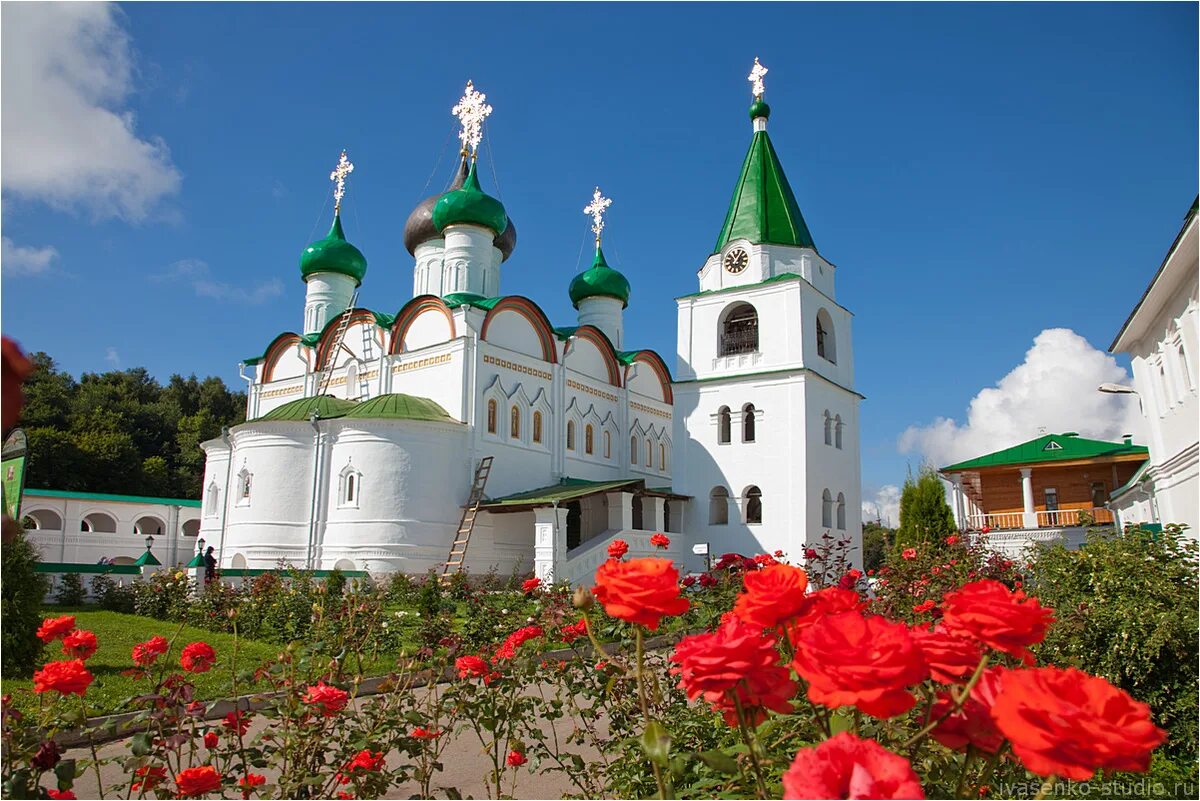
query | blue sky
(979,173)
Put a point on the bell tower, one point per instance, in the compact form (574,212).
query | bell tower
(766,414)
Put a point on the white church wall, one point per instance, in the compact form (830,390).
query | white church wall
(214,487)
(585,360)
(435,372)
(431,327)
(511,330)
(701,319)
(833,466)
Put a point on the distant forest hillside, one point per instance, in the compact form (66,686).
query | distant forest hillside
(122,431)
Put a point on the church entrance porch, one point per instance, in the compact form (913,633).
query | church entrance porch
(575,520)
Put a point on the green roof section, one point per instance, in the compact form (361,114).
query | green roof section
(599,281)
(106,496)
(197,560)
(398,406)
(327,407)
(1066,447)
(566,490)
(333,254)
(471,205)
(147,559)
(86,569)
(764,209)
(775,279)
(456,299)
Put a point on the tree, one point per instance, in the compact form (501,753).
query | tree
(23,590)
(925,517)
(876,540)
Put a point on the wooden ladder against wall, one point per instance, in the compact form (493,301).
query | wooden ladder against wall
(339,341)
(462,538)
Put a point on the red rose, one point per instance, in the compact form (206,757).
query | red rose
(145,653)
(617,549)
(211,740)
(810,553)
(15,368)
(973,724)
(148,777)
(61,794)
(56,628)
(688,581)
(65,678)
(421,733)
(735,661)
(470,666)
(909,554)
(236,721)
(515,759)
(198,781)
(953,539)
(530,586)
(80,644)
(829,601)
(951,659)
(850,660)
(574,631)
(660,540)
(772,595)
(328,700)
(845,766)
(924,606)
(366,760)
(1065,723)
(988,612)
(706,580)
(249,781)
(508,649)
(640,591)
(197,657)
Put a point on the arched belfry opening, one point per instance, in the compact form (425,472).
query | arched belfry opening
(738,330)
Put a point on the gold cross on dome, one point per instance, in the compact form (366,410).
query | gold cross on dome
(596,210)
(471,111)
(756,78)
(338,176)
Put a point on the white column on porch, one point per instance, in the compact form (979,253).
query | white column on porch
(549,541)
(1030,517)
(956,496)
(657,519)
(620,510)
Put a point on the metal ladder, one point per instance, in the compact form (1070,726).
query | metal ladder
(458,549)
(339,339)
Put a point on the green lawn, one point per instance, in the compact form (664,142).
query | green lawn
(117,634)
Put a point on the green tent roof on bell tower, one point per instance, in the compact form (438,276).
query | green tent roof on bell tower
(763,209)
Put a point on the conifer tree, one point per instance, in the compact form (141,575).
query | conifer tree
(925,517)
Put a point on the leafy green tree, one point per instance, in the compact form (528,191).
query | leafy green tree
(925,517)
(876,539)
(22,589)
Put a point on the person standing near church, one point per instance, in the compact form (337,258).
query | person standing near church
(210,566)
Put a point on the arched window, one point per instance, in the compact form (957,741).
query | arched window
(841,512)
(748,423)
(753,505)
(607,445)
(570,435)
(718,507)
(633,449)
(514,423)
(148,525)
(45,520)
(491,417)
(537,427)
(212,499)
(245,479)
(191,528)
(352,380)
(837,432)
(826,509)
(723,425)
(662,456)
(826,343)
(649,453)
(349,487)
(828,428)
(588,440)
(99,523)
(739,330)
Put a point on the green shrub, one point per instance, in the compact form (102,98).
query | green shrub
(112,596)
(70,591)
(335,584)
(23,590)
(1126,609)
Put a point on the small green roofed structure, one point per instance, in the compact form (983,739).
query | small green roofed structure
(398,406)
(763,209)
(472,205)
(327,407)
(333,254)
(1066,447)
(197,560)
(599,281)
(147,559)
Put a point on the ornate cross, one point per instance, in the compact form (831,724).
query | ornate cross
(471,111)
(596,210)
(338,176)
(756,78)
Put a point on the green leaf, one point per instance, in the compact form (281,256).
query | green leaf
(840,721)
(656,742)
(141,743)
(719,761)
(65,771)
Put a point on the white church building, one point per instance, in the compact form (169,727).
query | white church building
(467,429)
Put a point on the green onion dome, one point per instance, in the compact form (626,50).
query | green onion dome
(470,205)
(599,281)
(333,254)
(758,109)
(419,227)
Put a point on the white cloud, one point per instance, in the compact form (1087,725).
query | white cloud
(197,273)
(1052,391)
(69,136)
(22,260)
(884,507)
(112,357)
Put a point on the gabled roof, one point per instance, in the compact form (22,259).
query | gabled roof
(763,209)
(1051,448)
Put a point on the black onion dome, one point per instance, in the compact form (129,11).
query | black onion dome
(419,227)
(507,241)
